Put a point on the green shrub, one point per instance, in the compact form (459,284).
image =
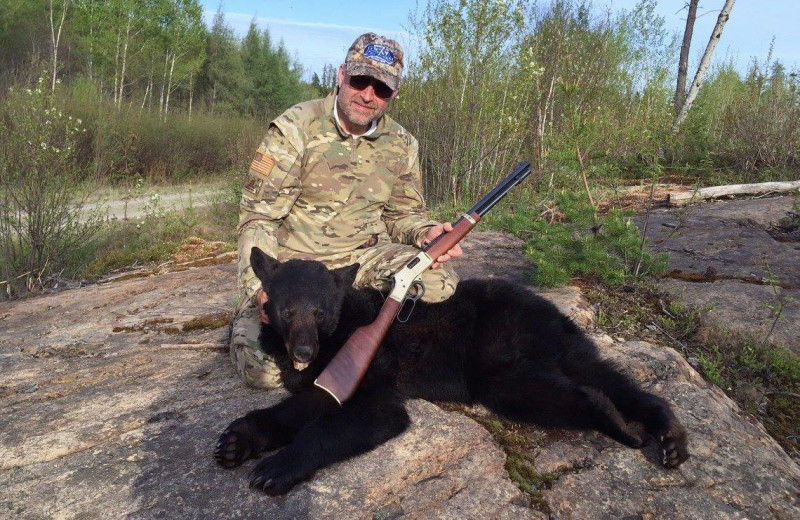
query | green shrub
(122,144)
(42,229)
(566,239)
(154,237)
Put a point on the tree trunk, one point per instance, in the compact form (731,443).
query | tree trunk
(581,163)
(681,198)
(55,38)
(705,62)
(683,63)
(149,91)
(90,65)
(144,98)
(191,94)
(169,86)
(116,66)
(121,87)
(163,85)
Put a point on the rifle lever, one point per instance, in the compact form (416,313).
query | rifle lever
(403,315)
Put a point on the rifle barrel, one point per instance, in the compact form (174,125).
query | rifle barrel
(498,192)
(464,224)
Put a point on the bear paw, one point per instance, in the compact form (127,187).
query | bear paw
(673,447)
(233,448)
(637,434)
(278,473)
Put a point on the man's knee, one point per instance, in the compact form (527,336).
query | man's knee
(440,283)
(255,367)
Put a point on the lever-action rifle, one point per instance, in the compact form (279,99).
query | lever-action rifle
(346,370)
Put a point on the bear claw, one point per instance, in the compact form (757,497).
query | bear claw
(278,473)
(270,483)
(673,448)
(231,450)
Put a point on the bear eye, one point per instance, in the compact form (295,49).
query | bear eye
(287,314)
(319,315)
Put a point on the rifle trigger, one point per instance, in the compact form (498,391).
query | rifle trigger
(405,311)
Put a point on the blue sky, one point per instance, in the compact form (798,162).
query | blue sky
(317,32)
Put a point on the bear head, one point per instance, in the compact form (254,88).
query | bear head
(305,301)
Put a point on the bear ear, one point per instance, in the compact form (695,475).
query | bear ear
(263,264)
(345,276)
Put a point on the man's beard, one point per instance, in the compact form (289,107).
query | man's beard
(359,118)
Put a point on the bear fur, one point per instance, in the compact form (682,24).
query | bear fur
(492,342)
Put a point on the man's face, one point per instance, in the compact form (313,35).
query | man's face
(359,105)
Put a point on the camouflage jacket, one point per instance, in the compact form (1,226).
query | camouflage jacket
(314,191)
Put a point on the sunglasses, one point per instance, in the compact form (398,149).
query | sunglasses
(380,88)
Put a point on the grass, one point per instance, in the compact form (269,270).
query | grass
(520,460)
(207,322)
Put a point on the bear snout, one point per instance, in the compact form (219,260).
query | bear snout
(303,353)
(303,345)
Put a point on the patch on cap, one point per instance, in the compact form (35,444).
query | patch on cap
(379,53)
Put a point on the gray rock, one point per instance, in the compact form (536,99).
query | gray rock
(721,255)
(736,469)
(112,401)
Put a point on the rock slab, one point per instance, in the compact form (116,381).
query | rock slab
(721,255)
(113,396)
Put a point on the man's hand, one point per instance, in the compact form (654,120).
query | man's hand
(431,235)
(261,299)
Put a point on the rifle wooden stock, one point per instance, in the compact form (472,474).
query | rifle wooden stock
(446,241)
(346,370)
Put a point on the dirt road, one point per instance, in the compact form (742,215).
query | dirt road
(136,207)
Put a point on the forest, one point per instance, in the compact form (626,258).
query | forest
(563,83)
(130,92)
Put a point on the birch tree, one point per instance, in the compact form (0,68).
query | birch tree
(705,62)
(183,34)
(462,98)
(683,61)
(55,36)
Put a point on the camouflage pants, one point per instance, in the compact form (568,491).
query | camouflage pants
(253,364)
(377,265)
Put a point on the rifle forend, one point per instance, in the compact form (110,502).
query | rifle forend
(347,368)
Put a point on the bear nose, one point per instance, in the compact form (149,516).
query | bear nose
(303,353)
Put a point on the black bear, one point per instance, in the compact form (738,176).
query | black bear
(492,342)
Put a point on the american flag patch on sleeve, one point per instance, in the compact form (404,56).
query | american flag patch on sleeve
(263,164)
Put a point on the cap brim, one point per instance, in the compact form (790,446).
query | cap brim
(364,69)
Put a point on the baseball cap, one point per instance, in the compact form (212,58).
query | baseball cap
(376,56)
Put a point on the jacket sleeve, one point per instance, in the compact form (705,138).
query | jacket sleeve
(270,189)
(404,214)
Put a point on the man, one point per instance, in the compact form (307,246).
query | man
(337,181)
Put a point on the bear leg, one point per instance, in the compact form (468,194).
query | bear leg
(553,401)
(269,428)
(358,426)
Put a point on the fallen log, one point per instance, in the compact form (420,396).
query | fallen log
(714,192)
